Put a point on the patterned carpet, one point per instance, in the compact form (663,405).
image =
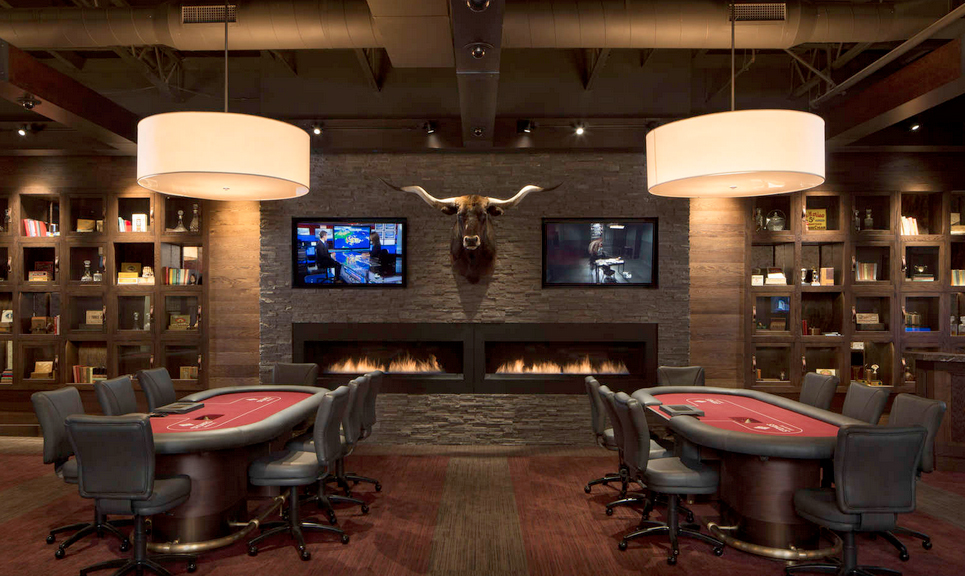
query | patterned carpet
(454,510)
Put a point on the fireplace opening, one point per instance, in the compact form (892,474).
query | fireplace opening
(543,358)
(390,357)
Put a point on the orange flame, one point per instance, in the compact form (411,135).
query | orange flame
(404,365)
(584,366)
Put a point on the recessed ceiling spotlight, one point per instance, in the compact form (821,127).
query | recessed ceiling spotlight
(579,130)
(316,129)
(915,127)
(478,131)
(28,101)
(23,130)
(478,49)
(429,127)
(477,5)
(525,126)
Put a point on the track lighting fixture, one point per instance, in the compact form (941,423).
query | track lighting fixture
(525,126)
(316,129)
(429,127)
(23,130)
(579,130)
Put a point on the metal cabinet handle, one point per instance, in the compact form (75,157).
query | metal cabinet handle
(804,218)
(754,314)
(854,315)
(904,312)
(804,363)
(904,264)
(152,216)
(854,264)
(152,360)
(56,266)
(197,323)
(150,316)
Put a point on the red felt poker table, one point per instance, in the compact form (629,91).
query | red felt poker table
(213,445)
(768,447)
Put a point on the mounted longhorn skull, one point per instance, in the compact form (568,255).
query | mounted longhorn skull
(472,246)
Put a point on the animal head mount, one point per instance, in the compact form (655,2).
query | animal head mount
(472,245)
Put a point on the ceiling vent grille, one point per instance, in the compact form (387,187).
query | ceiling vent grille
(760,12)
(210,14)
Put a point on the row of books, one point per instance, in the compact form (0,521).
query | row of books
(88,374)
(35,228)
(958,277)
(6,377)
(137,223)
(866,272)
(180,276)
(909,226)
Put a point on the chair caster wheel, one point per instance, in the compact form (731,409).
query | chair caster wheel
(332,519)
(672,560)
(609,511)
(125,545)
(586,488)
(252,550)
(305,555)
(60,553)
(365,509)
(926,544)
(51,538)
(718,551)
(192,567)
(344,538)
(378,487)
(903,556)
(622,545)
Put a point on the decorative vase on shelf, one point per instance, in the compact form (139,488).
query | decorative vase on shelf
(87,276)
(195,225)
(857,220)
(869,222)
(180,227)
(775,221)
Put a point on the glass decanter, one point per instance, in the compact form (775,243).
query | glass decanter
(195,225)
(137,318)
(180,227)
(87,276)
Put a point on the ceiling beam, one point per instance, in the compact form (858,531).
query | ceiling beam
(594,59)
(65,100)
(373,62)
(150,63)
(476,40)
(925,83)
(71,60)
(284,57)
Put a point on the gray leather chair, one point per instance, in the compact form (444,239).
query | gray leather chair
(294,374)
(294,468)
(865,403)
(869,491)
(680,376)
(368,421)
(604,435)
(52,409)
(116,396)
(115,458)
(818,390)
(910,410)
(671,476)
(157,386)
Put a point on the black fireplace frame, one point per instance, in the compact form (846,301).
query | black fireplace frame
(474,336)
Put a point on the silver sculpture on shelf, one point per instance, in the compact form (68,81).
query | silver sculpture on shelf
(87,276)
(195,225)
(180,227)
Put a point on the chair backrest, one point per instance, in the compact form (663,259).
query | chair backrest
(607,395)
(680,376)
(369,417)
(818,390)
(328,420)
(115,455)
(52,409)
(874,472)
(636,432)
(294,374)
(116,396)
(597,411)
(865,403)
(158,387)
(911,410)
(352,422)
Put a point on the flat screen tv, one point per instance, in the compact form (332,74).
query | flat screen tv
(348,252)
(606,252)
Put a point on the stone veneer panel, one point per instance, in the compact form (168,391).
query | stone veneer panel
(594,184)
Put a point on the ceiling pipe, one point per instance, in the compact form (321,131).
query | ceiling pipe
(325,24)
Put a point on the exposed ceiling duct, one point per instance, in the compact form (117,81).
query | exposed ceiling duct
(324,24)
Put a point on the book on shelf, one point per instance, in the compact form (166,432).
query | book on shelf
(35,228)
(179,322)
(6,377)
(958,277)
(124,225)
(127,277)
(909,226)
(37,276)
(180,276)
(866,272)
(923,278)
(775,277)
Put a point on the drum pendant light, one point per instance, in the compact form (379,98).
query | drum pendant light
(736,153)
(222,156)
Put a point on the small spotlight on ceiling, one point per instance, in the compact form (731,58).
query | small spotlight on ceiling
(22,130)
(525,126)
(316,129)
(579,130)
(915,127)
(477,5)
(429,127)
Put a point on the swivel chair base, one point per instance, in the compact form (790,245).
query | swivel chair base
(294,526)
(848,565)
(141,562)
(99,526)
(673,530)
(355,479)
(605,480)
(634,498)
(892,537)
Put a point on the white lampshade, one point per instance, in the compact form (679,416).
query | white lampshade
(739,153)
(222,156)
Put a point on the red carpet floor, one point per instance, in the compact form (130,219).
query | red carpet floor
(566,532)
(19,468)
(951,481)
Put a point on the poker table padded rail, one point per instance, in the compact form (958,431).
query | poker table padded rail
(252,431)
(777,446)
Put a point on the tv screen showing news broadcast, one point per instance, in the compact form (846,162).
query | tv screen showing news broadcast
(348,252)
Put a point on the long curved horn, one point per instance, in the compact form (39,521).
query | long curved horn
(507,204)
(437,203)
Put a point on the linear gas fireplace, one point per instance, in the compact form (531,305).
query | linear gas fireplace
(482,358)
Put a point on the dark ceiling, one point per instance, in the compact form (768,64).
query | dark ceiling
(364,101)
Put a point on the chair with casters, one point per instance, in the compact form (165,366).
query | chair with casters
(910,410)
(293,468)
(368,420)
(673,477)
(157,386)
(115,458)
(680,376)
(818,390)
(116,396)
(869,491)
(52,409)
(604,435)
(294,374)
(865,403)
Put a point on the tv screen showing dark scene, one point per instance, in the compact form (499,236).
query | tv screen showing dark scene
(336,252)
(600,252)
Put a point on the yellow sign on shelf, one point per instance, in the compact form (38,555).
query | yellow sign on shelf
(817,218)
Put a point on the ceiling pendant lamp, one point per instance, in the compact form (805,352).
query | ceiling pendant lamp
(736,153)
(222,156)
